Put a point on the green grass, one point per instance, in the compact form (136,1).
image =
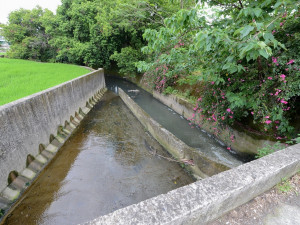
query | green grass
(2,53)
(20,78)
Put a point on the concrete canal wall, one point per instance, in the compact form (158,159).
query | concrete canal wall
(244,144)
(28,125)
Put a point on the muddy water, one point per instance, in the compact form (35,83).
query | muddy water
(104,166)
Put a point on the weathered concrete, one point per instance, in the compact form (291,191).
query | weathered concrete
(212,197)
(29,122)
(244,143)
(203,167)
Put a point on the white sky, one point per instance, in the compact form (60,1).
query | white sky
(7,6)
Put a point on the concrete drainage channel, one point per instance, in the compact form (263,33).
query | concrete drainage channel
(41,114)
(197,203)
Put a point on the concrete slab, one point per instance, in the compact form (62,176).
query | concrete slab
(41,159)
(28,173)
(52,148)
(10,194)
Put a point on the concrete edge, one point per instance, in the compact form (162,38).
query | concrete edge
(203,166)
(210,198)
(18,101)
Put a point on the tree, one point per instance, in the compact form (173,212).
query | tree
(237,53)
(26,33)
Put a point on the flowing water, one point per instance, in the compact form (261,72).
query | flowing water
(176,124)
(105,165)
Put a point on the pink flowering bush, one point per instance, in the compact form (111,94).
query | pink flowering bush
(248,60)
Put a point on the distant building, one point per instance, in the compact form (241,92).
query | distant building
(4,46)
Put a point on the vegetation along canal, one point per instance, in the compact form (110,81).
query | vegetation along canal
(104,166)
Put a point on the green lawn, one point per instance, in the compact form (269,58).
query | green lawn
(20,78)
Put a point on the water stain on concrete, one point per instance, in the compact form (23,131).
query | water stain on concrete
(103,167)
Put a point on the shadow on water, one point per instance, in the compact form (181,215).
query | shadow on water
(176,124)
(104,166)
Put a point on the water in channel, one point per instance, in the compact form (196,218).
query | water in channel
(105,165)
(176,124)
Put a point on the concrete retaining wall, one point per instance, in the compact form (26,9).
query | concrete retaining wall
(244,143)
(30,121)
(210,198)
(203,166)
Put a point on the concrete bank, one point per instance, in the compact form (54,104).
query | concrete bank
(35,127)
(244,142)
(210,198)
(203,166)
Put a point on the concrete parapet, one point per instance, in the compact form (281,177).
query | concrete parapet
(210,198)
(28,123)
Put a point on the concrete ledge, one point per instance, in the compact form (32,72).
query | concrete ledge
(210,198)
(203,167)
(30,121)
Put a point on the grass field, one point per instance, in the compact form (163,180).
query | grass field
(20,78)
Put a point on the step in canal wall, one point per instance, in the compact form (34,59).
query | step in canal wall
(35,127)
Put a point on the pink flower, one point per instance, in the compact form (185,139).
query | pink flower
(199,99)
(274,59)
(268,121)
(270,78)
(223,117)
(228,110)
(284,102)
(273,31)
(228,148)
(290,62)
(252,113)
(213,82)
(267,117)
(282,76)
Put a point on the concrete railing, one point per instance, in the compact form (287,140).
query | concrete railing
(27,123)
(210,198)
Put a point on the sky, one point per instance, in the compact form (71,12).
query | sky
(7,6)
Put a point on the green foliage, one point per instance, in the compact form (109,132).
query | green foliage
(26,32)
(284,186)
(268,149)
(87,32)
(1,213)
(245,53)
(126,60)
(20,78)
